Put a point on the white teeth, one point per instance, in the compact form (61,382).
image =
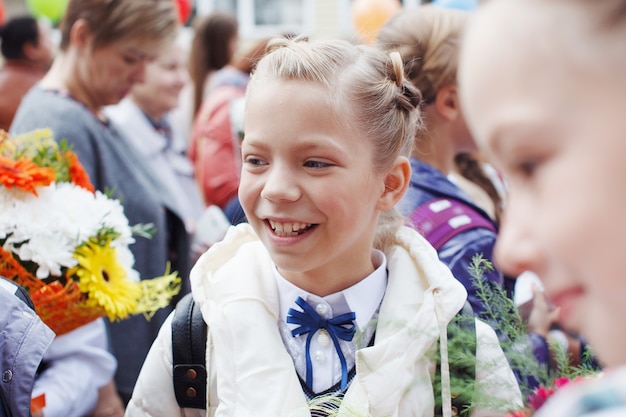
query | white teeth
(288,228)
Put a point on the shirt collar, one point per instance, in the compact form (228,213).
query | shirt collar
(363,298)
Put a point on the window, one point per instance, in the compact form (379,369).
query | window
(260,18)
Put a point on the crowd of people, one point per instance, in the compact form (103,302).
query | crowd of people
(348,188)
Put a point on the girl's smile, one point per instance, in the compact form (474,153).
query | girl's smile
(285,229)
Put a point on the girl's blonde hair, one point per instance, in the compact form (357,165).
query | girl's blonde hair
(428,39)
(112,21)
(368,90)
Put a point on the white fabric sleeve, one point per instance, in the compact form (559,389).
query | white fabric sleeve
(497,390)
(78,364)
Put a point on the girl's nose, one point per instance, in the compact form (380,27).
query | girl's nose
(181,78)
(516,247)
(139,75)
(280,185)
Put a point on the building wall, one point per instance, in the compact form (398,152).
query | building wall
(331,18)
(15,7)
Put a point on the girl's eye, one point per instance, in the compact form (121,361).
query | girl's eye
(254,161)
(130,60)
(527,169)
(316,164)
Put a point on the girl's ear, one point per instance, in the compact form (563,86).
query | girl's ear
(447,102)
(396,183)
(30,50)
(80,34)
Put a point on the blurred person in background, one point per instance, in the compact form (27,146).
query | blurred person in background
(215,146)
(428,38)
(144,118)
(213,46)
(27,49)
(105,48)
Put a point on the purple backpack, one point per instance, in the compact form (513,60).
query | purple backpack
(440,219)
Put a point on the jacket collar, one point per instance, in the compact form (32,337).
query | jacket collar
(239,302)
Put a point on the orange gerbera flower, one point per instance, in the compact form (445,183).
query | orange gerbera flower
(78,175)
(24,174)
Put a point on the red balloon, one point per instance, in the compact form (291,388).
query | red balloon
(2,13)
(184,10)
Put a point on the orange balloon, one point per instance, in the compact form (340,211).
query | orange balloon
(368,16)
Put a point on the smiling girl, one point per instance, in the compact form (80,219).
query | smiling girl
(328,128)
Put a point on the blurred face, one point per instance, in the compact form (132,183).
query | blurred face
(46,48)
(461,137)
(232,45)
(107,74)
(307,186)
(165,78)
(557,131)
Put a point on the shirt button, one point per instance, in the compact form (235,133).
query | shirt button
(321,309)
(7,375)
(320,356)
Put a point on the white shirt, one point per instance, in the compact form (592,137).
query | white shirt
(363,298)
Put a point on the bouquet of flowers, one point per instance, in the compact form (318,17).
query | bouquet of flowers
(67,244)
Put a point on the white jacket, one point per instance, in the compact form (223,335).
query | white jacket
(252,375)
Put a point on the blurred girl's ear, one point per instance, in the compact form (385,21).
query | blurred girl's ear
(80,34)
(447,102)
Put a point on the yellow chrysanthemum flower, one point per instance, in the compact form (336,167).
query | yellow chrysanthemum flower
(104,281)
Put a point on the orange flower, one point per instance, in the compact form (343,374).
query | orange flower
(78,175)
(24,174)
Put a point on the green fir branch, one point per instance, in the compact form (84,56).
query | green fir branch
(504,316)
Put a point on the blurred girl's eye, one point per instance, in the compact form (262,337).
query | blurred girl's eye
(251,160)
(316,164)
(130,60)
(526,169)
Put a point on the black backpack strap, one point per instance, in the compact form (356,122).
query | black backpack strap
(462,370)
(189,335)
